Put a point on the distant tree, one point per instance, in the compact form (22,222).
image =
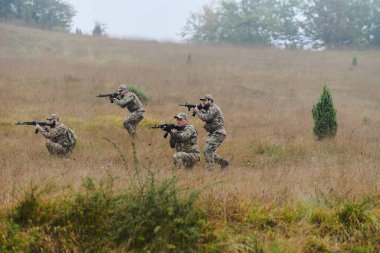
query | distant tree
(324,115)
(78,31)
(337,23)
(289,23)
(6,11)
(201,27)
(99,29)
(375,14)
(244,22)
(45,14)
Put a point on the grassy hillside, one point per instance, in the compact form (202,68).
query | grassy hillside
(266,96)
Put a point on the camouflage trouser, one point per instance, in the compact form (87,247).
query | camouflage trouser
(57,149)
(186,160)
(213,141)
(130,123)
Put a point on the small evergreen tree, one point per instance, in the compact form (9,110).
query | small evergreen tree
(141,94)
(324,115)
(99,29)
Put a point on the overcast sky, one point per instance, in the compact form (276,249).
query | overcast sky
(150,19)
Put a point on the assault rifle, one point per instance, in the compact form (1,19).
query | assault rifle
(33,123)
(167,128)
(190,106)
(111,96)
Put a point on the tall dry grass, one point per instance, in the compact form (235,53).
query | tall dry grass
(266,96)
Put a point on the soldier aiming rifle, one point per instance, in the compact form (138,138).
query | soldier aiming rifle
(183,138)
(61,140)
(125,98)
(34,123)
(213,117)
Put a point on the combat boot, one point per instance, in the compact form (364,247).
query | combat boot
(224,164)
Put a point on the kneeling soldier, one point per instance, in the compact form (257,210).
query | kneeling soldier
(61,140)
(184,140)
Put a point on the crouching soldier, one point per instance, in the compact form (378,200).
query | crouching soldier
(132,102)
(60,139)
(214,119)
(184,140)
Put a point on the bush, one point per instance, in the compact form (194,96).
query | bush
(139,93)
(27,211)
(324,115)
(152,217)
(156,219)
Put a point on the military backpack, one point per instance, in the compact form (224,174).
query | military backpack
(71,137)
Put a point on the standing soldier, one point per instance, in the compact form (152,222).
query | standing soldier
(213,116)
(184,140)
(132,102)
(61,140)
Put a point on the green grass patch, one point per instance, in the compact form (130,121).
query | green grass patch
(269,154)
(151,217)
(159,216)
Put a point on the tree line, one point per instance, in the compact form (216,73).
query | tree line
(287,23)
(45,14)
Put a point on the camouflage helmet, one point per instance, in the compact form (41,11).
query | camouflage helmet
(181,115)
(207,97)
(122,87)
(53,116)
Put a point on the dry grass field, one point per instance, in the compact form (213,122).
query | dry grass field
(266,96)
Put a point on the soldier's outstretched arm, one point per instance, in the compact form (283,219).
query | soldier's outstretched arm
(207,115)
(181,135)
(124,101)
(49,135)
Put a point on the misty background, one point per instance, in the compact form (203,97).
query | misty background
(148,19)
(292,24)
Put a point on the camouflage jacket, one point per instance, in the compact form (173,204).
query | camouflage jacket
(58,134)
(184,140)
(214,119)
(131,101)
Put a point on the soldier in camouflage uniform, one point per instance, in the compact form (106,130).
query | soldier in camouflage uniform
(132,102)
(213,116)
(58,142)
(185,143)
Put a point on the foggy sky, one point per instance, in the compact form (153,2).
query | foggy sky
(149,19)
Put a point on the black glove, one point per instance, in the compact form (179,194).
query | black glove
(200,107)
(167,128)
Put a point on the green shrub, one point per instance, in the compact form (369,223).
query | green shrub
(151,217)
(315,245)
(355,216)
(354,61)
(324,115)
(90,214)
(156,219)
(12,239)
(139,93)
(27,210)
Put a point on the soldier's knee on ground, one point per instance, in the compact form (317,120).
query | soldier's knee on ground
(49,146)
(56,149)
(178,161)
